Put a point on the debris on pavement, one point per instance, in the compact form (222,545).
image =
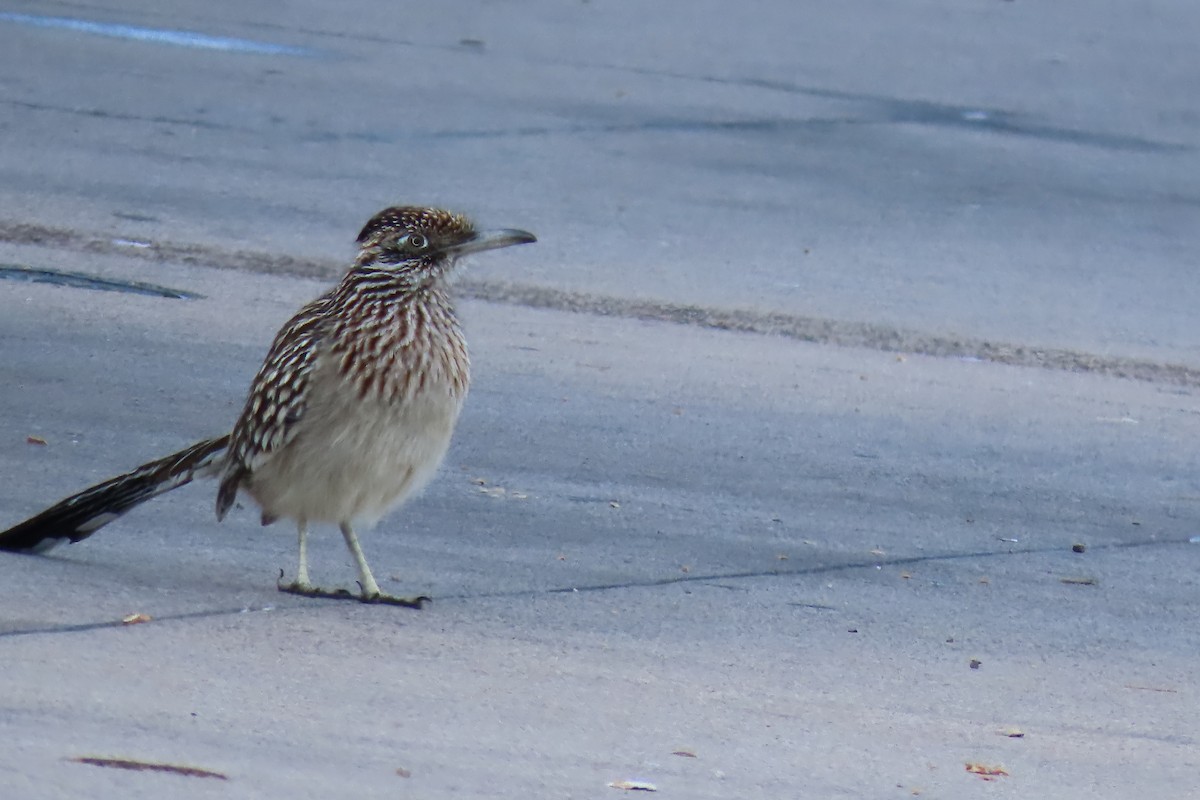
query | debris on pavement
(975,663)
(135,619)
(1079,581)
(634,786)
(148,766)
(985,771)
(683,753)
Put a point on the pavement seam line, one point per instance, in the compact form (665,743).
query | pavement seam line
(815,330)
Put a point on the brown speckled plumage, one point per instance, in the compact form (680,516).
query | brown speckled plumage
(352,409)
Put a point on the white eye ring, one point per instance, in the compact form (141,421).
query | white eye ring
(417,241)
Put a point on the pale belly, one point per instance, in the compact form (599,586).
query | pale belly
(351,460)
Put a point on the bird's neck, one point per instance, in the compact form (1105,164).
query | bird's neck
(397,332)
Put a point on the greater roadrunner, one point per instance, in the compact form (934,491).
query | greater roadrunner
(350,413)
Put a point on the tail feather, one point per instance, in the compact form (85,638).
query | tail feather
(80,515)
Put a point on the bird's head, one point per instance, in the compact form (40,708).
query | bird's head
(428,237)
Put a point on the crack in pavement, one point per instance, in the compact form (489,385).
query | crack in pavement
(702,579)
(816,330)
(819,569)
(84,627)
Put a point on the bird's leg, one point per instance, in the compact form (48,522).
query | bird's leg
(370,589)
(366,580)
(302,546)
(302,585)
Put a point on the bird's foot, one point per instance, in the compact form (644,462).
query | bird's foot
(389,600)
(306,589)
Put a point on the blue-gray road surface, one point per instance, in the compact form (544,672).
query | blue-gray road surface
(849,324)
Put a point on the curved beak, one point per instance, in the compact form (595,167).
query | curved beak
(490,240)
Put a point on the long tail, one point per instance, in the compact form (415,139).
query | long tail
(80,515)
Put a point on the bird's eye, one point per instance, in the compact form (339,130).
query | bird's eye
(417,242)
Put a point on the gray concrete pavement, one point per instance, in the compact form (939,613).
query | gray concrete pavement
(648,537)
(810,546)
(1010,170)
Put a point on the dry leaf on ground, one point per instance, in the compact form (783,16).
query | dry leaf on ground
(634,786)
(148,766)
(985,771)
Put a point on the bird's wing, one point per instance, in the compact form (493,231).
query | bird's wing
(278,395)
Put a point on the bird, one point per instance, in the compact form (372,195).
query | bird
(350,414)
